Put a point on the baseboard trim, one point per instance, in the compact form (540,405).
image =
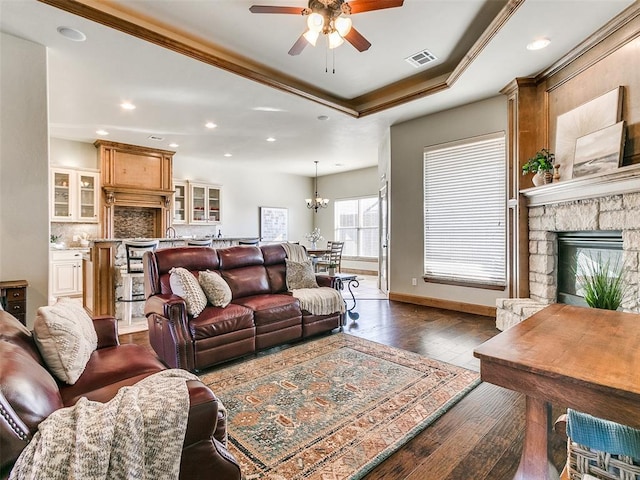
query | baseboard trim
(445,304)
(359,271)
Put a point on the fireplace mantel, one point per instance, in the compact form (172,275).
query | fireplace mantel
(616,182)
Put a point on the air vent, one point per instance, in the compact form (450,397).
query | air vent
(421,58)
(156,138)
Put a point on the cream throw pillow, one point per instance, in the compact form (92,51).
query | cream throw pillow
(215,288)
(185,284)
(300,275)
(65,336)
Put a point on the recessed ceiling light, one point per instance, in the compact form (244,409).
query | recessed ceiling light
(128,106)
(102,132)
(228,155)
(323,117)
(210,125)
(72,34)
(267,109)
(539,44)
(271,139)
(174,145)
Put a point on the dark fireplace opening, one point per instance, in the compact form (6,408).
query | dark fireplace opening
(576,248)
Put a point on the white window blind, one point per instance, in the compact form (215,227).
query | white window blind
(465,211)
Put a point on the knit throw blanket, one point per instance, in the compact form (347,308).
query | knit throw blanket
(320,301)
(138,434)
(295,252)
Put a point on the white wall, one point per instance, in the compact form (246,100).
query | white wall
(343,186)
(71,154)
(244,191)
(24,168)
(408,141)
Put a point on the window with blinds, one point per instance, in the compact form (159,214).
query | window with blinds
(465,212)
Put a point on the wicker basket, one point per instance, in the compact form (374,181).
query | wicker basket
(600,465)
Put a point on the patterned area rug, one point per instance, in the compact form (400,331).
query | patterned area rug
(332,408)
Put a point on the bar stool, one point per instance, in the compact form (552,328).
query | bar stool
(206,242)
(135,250)
(248,241)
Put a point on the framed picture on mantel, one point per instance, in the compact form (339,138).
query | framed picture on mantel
(274,224)
(599,151)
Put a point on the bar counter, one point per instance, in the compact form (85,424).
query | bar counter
(101,266)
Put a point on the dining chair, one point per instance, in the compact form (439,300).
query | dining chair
(332,257)
(135,249)
(205,242)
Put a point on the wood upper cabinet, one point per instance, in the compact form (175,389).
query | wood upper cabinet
(135,177)
(75,195)
(204,203)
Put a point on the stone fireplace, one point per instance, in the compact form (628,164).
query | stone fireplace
(610,203)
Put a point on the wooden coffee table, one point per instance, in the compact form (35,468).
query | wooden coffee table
(583,358)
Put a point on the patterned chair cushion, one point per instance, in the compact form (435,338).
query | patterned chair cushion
(185,284)
(300,275)
(215,288)
(65,336)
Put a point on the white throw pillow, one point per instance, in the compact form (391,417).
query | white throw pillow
(66,337)
(215,288)
(185,284)
(300,275)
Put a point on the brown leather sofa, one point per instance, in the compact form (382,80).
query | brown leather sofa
(29,394)
(262,313)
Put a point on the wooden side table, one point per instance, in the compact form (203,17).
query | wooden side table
(13,295)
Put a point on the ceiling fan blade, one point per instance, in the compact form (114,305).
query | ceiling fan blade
(272,9)
(356,39)
(297,47)
(359,6)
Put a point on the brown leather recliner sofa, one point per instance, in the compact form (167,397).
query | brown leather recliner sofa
(262,313)
(29,393)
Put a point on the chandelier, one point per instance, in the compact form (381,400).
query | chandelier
(318,201)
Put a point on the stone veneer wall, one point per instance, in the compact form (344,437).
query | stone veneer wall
(616,212)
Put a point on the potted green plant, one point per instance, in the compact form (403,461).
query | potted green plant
(602,282)
(541,164)
(331,269)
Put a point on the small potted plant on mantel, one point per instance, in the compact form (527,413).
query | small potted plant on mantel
(541,165)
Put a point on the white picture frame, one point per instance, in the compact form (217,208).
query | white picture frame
(599,151)
(274,224)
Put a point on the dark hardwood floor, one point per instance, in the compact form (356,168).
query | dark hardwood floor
(481,436)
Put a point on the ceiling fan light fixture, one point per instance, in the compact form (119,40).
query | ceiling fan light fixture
(311,36)
(315,22)
(335,40)
(343,25)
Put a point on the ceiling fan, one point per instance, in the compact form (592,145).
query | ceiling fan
(331,18)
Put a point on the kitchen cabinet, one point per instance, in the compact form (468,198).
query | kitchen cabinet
(66,273)
(74,195)
(204,203)
(180,202)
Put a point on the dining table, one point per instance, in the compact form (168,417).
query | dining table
(582,358)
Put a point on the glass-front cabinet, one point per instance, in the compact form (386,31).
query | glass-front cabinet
(205,203)
(75,195)
(180,206)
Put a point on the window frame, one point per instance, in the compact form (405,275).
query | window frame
(359,228)
(437,267)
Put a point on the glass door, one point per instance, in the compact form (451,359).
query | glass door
(198,202)
(214,204)
(61,196)
(179,203)
(87,184)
